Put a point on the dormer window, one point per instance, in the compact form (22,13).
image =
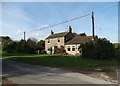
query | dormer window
(48,40)
(58,39)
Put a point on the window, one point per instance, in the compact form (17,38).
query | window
(80,51)
(48,40)
(78,48)
(48,49)
(73,48)
(58,39)
(68,48)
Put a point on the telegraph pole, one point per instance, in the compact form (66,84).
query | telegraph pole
(93,26)
(24,36)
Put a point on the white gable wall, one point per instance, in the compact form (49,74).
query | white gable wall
(72,51)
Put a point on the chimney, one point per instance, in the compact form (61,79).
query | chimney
(69,29)
(52,32)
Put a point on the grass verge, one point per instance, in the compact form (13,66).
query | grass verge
(61,61)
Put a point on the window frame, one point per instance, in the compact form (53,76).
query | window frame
(48,41)
(73,48)
(68,48)
(80,51)
(58,40)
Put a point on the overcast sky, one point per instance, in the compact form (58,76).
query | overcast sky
(18,17)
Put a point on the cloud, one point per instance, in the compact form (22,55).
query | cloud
(38,34)
(41,26)
(15,12)
(19,31)
(42,34)
(15,21)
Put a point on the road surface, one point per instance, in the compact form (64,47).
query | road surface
(21,73)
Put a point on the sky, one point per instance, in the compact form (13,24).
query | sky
(18,17)
(60,0)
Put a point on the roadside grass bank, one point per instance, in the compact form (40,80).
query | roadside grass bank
(5,54)
(61,61)
(0,53)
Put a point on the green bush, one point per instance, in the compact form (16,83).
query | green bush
(100,49)
(22,46)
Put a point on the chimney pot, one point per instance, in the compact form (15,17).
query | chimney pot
(52,32)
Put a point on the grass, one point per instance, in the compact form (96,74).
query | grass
(73,63)
(5,54)
(60,61)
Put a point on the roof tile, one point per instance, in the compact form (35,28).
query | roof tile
(79,39)
(58,35)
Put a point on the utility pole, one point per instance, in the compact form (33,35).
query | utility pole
(93,26)
(24,36)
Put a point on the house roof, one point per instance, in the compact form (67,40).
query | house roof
(79,39)
(57,35)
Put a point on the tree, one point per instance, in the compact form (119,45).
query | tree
(88,49)
(8,44)
(6,40)
(30,46)
(21,46)
(117,50)
(101,49)
(105,49)
(12,47)
(40,46)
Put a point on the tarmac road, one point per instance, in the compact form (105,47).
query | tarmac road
(21,73)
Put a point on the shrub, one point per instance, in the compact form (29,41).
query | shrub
(60,50)
(100,49)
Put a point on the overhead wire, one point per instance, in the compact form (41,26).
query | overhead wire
(61,23)
(74,18)
(106,8)
(101,9)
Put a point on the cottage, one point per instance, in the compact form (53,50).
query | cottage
(67,39)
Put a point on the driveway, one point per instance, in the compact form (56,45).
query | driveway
(21,73)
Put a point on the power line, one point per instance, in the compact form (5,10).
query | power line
(17,35)
(61,23)
(73,18)
(103,9)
